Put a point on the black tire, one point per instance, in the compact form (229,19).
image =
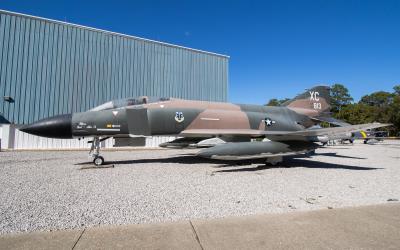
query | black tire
(98,161)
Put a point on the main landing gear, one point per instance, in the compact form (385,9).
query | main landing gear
(274,160)
(95,151)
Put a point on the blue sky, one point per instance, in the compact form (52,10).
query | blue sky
(277,48)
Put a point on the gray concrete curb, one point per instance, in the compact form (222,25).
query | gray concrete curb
(368,227)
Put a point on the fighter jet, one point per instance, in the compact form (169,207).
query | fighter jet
(223,130)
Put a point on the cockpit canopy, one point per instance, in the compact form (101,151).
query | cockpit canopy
(129,102)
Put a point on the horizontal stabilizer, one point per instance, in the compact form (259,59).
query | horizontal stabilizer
(330,120)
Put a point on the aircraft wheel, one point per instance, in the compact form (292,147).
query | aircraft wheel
(98,160)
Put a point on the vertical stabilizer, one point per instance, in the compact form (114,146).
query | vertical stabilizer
(313,102)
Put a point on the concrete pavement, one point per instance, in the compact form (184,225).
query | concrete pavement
(368,227)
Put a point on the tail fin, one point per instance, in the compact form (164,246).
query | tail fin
(313,102)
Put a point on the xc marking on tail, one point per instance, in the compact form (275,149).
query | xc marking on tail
(314,96)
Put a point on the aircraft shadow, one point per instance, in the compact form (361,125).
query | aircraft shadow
(339,156)
(95,167)
(287,163)
(333,147)
(180,159)
(193,159)
(294,163)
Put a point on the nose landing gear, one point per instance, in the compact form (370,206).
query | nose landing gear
(94,152)
(98,160)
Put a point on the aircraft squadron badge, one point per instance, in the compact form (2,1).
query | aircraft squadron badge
(179,116)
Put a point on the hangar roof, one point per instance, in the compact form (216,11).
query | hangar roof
(110,32)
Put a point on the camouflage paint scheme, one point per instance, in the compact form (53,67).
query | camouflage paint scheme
(286,126)
(159,118)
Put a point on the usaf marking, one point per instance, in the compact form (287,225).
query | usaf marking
(269,122)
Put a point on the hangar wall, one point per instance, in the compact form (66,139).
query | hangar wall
(50,67)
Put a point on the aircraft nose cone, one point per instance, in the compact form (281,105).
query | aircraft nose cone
(54,127)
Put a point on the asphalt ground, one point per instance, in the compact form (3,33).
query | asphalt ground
(52,190)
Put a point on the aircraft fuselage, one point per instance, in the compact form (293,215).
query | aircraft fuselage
(170,117)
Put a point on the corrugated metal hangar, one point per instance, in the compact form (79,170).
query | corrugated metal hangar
(49,67)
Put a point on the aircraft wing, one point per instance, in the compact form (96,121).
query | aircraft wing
(339,130)
(257,133)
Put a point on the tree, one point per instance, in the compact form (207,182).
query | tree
(379,99)
(276,102)
(273,102)
(394,112)
(396,90)
(357,113)
(339,97)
